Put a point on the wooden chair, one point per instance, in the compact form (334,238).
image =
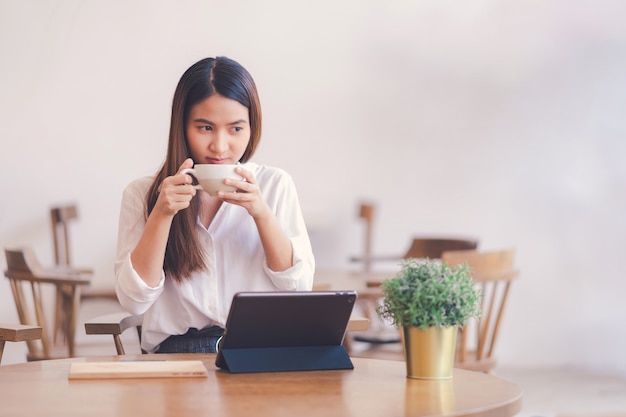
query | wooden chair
(494,272)
(17,333)
(421,247)
(115,324)
(24,273)
(60,218)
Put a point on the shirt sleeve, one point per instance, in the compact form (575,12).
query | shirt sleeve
(133,293)
(283,198)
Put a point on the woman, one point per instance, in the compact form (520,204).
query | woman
(182,254)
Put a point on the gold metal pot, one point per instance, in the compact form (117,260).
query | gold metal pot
(430,352)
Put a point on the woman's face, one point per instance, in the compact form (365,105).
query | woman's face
(218,130)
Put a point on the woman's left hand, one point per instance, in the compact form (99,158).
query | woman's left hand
(248,194)
(276,244)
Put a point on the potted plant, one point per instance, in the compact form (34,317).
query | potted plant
(429,301)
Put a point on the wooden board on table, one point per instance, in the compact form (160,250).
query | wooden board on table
(137,369)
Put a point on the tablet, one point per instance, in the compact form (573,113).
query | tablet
(286,331)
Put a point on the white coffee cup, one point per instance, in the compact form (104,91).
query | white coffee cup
(211,177)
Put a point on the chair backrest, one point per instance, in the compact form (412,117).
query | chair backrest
(17,333)
(493,271)
(60,218)
(434,247)
(366,212)
(28,283)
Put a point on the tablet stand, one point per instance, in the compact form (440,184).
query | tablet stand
(280,359)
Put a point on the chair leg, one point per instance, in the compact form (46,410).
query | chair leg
(499,318)
(41,321)
(23,315)
(118,344)
(58,315)
(73,318)
(63,316)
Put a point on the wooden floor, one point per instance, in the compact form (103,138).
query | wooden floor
(568,392)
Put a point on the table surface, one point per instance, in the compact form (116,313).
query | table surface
(374,388)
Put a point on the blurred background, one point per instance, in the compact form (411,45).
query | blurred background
(498,120)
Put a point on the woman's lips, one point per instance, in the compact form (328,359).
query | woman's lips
(217,161)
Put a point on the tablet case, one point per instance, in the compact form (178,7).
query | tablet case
(286,331)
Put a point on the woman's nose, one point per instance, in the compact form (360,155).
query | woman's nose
(219,144)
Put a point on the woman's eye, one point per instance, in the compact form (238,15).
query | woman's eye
(206,128)
(237,128)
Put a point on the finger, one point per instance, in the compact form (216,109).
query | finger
(233,183)
(185,178)
(231,197)
(241,186)
(184,191)
(177,192)
(176,181)
(247,175)
(187,163)
(172,202)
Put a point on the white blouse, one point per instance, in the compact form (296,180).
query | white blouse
(235,261)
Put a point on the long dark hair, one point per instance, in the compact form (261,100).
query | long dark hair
(206,77)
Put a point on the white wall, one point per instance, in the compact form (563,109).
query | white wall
(502,120)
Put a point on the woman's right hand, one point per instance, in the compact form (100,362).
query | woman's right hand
(176,192)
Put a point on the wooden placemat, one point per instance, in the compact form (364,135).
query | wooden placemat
(137,369)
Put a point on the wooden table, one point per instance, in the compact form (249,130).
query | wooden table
(373,388)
